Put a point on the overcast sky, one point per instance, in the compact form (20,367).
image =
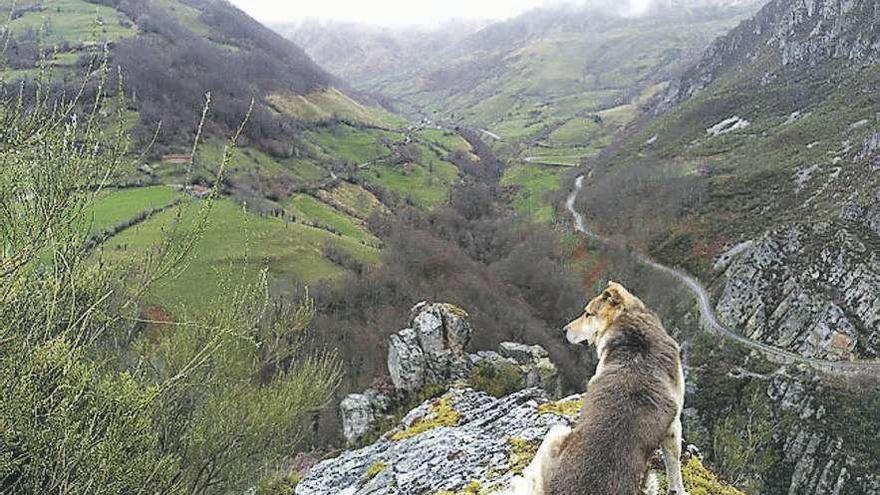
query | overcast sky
(389,12)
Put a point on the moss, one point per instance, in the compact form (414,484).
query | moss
(565,408)
(522,452)
(376,469)
(700,481)
(457,311)
(278,484)
(442,414)
(498,378)
(472,488)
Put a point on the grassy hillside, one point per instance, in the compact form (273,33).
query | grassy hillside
(293,198)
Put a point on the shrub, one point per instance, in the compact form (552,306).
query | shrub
(496,378)
(278,484)
(96,400)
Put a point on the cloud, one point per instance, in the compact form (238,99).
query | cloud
(407,12)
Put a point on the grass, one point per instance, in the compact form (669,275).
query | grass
(236,246)
(74,21)
(532,181)
(447,140)
(313,210)
(565,408)
(441,414)
(112,207)
(244,160)
(416,182)
(188,16)
(354,145)
(352,199)
(331,104)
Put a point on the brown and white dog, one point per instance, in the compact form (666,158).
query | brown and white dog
(632,406)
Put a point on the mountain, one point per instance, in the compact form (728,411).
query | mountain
(551,87)
(776,125)
(362,54)
(757,171)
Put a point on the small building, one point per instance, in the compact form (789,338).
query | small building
(199,191)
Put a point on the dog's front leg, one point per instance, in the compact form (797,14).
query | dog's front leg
(672,458)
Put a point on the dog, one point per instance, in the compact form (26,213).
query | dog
(632,406)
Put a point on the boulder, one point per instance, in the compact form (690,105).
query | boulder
(432,349)
(361,413)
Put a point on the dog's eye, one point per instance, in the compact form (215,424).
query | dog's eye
(588,314)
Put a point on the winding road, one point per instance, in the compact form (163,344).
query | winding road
(844,369)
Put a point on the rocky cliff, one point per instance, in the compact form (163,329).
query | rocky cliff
(429,355)
(787,34)
(462,441)
(468,443)
(812,289)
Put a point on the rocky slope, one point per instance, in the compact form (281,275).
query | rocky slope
(430,355)
(464,441)
(822,304)
(779,217)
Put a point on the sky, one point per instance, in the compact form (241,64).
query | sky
(391,12)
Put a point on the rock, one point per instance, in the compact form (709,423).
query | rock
(522,353)
(478,449)
(357,417)
(532,363)
(432,350)
(811,289)
(481,446)
(361,413)
(406,361)
(732,124)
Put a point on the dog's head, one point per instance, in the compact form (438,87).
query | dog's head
(601,313)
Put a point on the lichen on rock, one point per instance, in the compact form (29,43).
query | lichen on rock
(441,414)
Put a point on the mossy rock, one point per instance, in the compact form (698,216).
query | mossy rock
(698,480)
(564,408)
(472,488)
(442,414)
(497,378)
(522,452)
(376,469)
(278,484)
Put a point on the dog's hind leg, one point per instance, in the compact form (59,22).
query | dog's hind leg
(672,458)
(532,481)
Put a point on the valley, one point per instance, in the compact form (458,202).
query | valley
(238,216)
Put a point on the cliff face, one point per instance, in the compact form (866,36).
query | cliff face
(809,288)
(786,34)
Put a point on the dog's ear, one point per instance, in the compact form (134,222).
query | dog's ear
(615,294)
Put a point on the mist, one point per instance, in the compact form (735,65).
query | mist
(399,13)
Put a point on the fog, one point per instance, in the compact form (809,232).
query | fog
(424,12)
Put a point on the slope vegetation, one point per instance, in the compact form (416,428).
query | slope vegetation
(312,163)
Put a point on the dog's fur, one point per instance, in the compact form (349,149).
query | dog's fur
(632,406)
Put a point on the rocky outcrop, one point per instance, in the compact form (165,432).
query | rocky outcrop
(531,363)
(431,352)
(432,349)
(424,454)
(810,289)
(466,442)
